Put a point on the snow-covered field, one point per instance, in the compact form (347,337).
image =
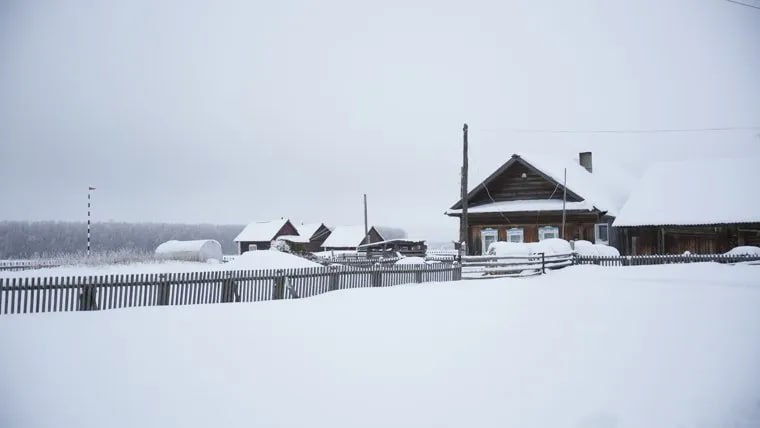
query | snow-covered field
(586,346)
(249,261)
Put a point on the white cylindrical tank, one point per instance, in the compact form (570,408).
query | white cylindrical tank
(200,250)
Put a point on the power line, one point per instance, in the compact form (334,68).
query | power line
(624,131)
(743,4)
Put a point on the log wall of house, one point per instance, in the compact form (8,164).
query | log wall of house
(717,239)
(512,186)
(577,226)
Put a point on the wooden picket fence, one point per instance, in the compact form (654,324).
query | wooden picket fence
(663,259)
(85,293)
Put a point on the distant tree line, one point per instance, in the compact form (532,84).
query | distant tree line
(23,239)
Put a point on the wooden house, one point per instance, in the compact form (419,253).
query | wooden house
(705,206)
(259,235)
(522,201)
(316,233)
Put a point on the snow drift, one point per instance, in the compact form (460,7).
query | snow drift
(269,259)
(586,248)
(744,250)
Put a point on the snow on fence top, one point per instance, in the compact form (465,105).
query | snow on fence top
(694,192)
(260,231)
(199,250)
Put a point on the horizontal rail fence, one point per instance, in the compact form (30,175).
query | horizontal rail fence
(663,259)
(15,265)
(534,264)
(357,261)
(85,293)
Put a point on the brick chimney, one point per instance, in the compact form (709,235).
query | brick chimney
(585,160)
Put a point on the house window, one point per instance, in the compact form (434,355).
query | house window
(488,237)
(548,232)
(515,234)
(601,233)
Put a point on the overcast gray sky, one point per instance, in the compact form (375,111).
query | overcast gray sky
(228,112)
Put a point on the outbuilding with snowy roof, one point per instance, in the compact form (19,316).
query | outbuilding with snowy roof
(704,206)
(351,237)
(259,235)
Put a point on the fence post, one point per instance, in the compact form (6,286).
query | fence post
(543,263)
(418,274)
(87,297)
(163,290)
(279,286)
(377,279)
(230,290)
(334,279)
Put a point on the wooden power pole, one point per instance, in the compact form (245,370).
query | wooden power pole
(366,230)
(464,224)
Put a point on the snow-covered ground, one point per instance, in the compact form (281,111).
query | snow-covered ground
(253,260)
(587,346)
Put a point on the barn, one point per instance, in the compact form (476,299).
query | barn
(704,206)
(260,234)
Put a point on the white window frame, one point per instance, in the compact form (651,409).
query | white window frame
(491,233)
(596,233)
(516,232)
(542,231)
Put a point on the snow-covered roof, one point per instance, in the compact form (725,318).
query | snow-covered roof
(260,231)
(694,192)
(391,241)
(308,229)
(294,238)
(344,237)
(606,189)
(526,205)
(388,233)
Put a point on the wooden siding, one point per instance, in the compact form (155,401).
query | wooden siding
(510,186)
(649,240)
(318,238)
(577,226)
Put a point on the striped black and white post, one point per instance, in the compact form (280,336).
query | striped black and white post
(89,210)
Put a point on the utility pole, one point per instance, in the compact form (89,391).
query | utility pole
(366,229)
(564,200)
(463,223)
(89,205)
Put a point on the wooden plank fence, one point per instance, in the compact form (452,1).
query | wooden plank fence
(663,259)
(85,293)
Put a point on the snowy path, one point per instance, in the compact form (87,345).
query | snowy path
(588,347)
